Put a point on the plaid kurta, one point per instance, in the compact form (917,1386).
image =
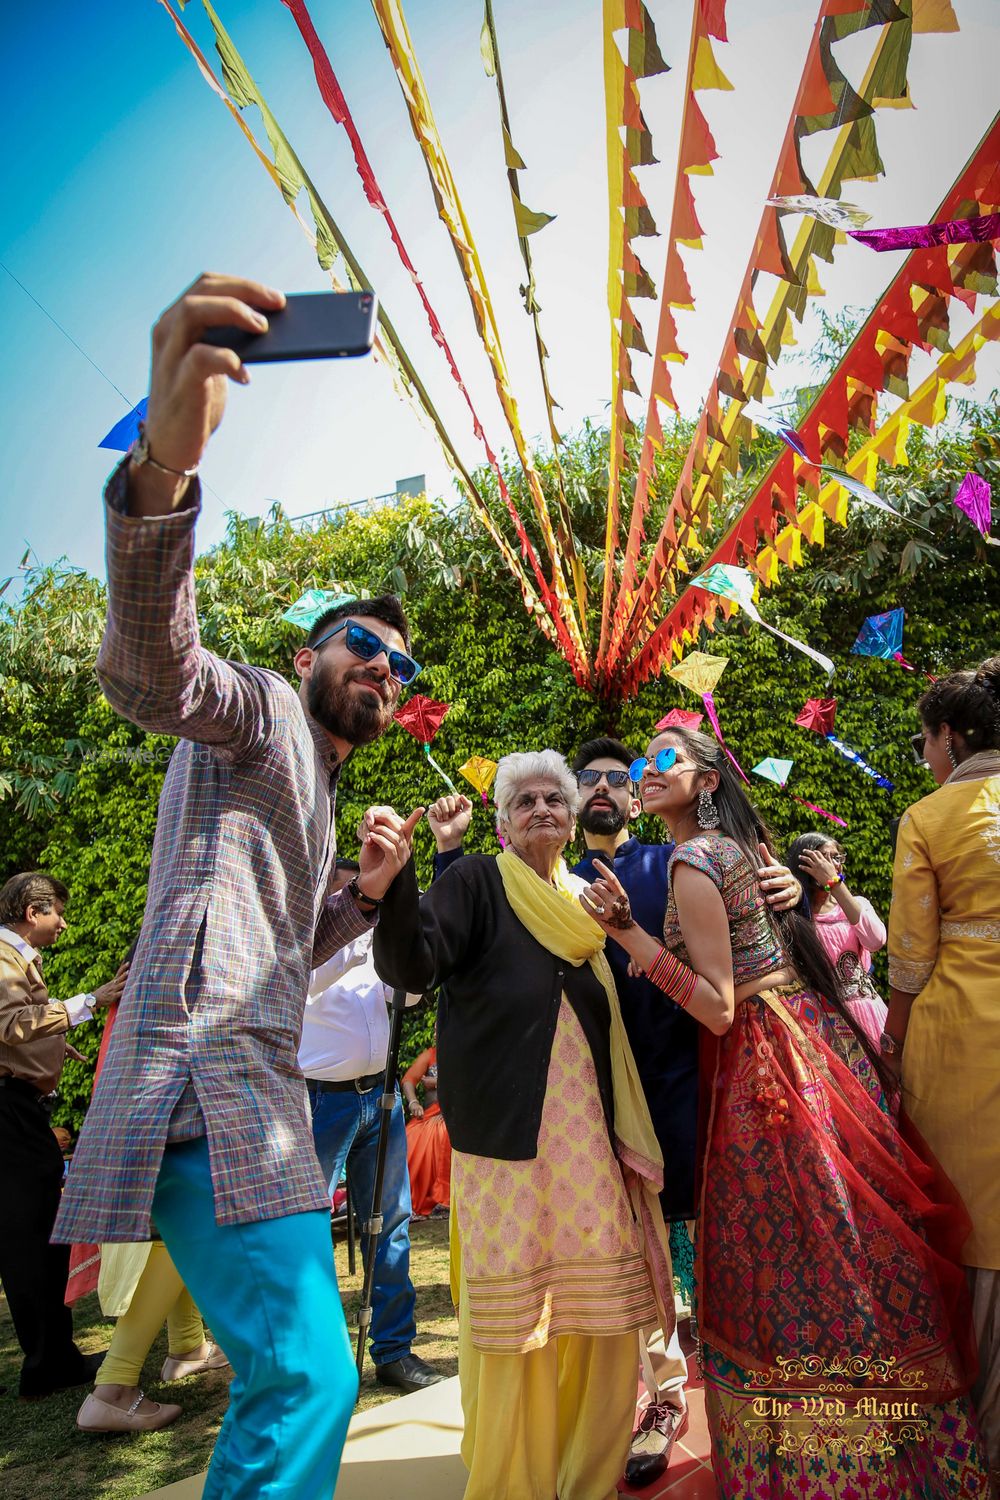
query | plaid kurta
(236,916)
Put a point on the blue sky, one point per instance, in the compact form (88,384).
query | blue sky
(129,178)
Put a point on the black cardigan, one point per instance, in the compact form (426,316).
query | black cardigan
(499,1001)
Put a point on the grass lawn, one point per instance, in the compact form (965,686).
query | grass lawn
(44,1457)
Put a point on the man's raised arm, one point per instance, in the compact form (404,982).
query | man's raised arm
(151,664)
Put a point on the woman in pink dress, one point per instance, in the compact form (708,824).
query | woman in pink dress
(848,926)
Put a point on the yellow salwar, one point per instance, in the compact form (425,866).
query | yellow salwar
(159,1296)
(944,948)
(561,1260)
(555,1422)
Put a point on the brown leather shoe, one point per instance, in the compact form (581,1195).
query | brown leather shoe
(176,1367)
(660,1425)
(96,1415)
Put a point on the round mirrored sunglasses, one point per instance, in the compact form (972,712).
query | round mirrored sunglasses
(662,761)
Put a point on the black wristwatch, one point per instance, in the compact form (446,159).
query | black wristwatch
(372,902)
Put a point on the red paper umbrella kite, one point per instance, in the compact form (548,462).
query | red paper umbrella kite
(422,717)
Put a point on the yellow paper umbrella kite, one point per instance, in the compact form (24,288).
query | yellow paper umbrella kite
(480,771)
(701,672)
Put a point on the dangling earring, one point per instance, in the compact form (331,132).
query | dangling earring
(708,813)
(950,749)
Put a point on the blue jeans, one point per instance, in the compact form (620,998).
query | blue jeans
(268,1291)
(345,1129)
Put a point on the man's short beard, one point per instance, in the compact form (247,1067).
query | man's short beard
(354,717)
(602,820)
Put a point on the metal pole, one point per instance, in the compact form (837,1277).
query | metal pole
(372,1227)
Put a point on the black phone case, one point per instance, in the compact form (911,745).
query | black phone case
(312,325)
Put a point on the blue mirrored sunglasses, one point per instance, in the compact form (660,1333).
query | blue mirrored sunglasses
(366,644)
(663,760)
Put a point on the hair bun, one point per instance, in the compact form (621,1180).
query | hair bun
(988,676)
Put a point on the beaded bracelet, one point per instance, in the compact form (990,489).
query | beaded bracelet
(672,977)
(838,879)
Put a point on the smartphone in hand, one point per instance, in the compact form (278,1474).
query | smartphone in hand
(311,325)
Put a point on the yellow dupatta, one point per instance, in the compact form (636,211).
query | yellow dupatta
(555,918)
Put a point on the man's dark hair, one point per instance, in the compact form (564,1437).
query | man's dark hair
(343,865)
(33,888)
(386,607)
(603,748)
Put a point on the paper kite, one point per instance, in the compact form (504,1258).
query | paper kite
(700,672)
(761,416)
(480,771)
(126,432)
(314,603)
(737,584)
(774,770)
(818,715)
(422,717)
(827,210)
(973,498)
(778,771)
(882,636)
(918,236)
(862,492)
(680,718)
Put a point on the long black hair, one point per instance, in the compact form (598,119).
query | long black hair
(793,859)
(740,821)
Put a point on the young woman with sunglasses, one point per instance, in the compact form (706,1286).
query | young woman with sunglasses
(822,1232)
(847,925)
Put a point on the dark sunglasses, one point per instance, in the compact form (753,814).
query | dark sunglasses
(663,760)
(591,777)
(919,743)
(366,644)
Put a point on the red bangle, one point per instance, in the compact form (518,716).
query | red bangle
(672,977)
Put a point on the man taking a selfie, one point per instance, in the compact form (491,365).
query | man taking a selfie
(199,1122)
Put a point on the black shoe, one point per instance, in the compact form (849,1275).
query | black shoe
(660,1425)
(86,1369)
(407,1374)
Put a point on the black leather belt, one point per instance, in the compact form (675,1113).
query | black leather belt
(346,1085)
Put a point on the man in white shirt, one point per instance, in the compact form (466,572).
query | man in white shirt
(345,1040)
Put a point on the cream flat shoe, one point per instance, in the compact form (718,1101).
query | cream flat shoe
(96,1415)
(177,1368)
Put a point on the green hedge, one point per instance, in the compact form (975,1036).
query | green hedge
(507,691)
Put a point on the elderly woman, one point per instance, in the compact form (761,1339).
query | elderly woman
(562,1252)
(943,1029)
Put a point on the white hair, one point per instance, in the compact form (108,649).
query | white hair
(533,765)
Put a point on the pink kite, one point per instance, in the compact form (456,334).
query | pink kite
(920,236)
(680,718)
(818,715)
(973,499)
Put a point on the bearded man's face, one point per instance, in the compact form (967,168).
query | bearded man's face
(351,698)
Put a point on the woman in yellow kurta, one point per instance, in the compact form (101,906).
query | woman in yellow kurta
(943,1027)
(562,1253)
